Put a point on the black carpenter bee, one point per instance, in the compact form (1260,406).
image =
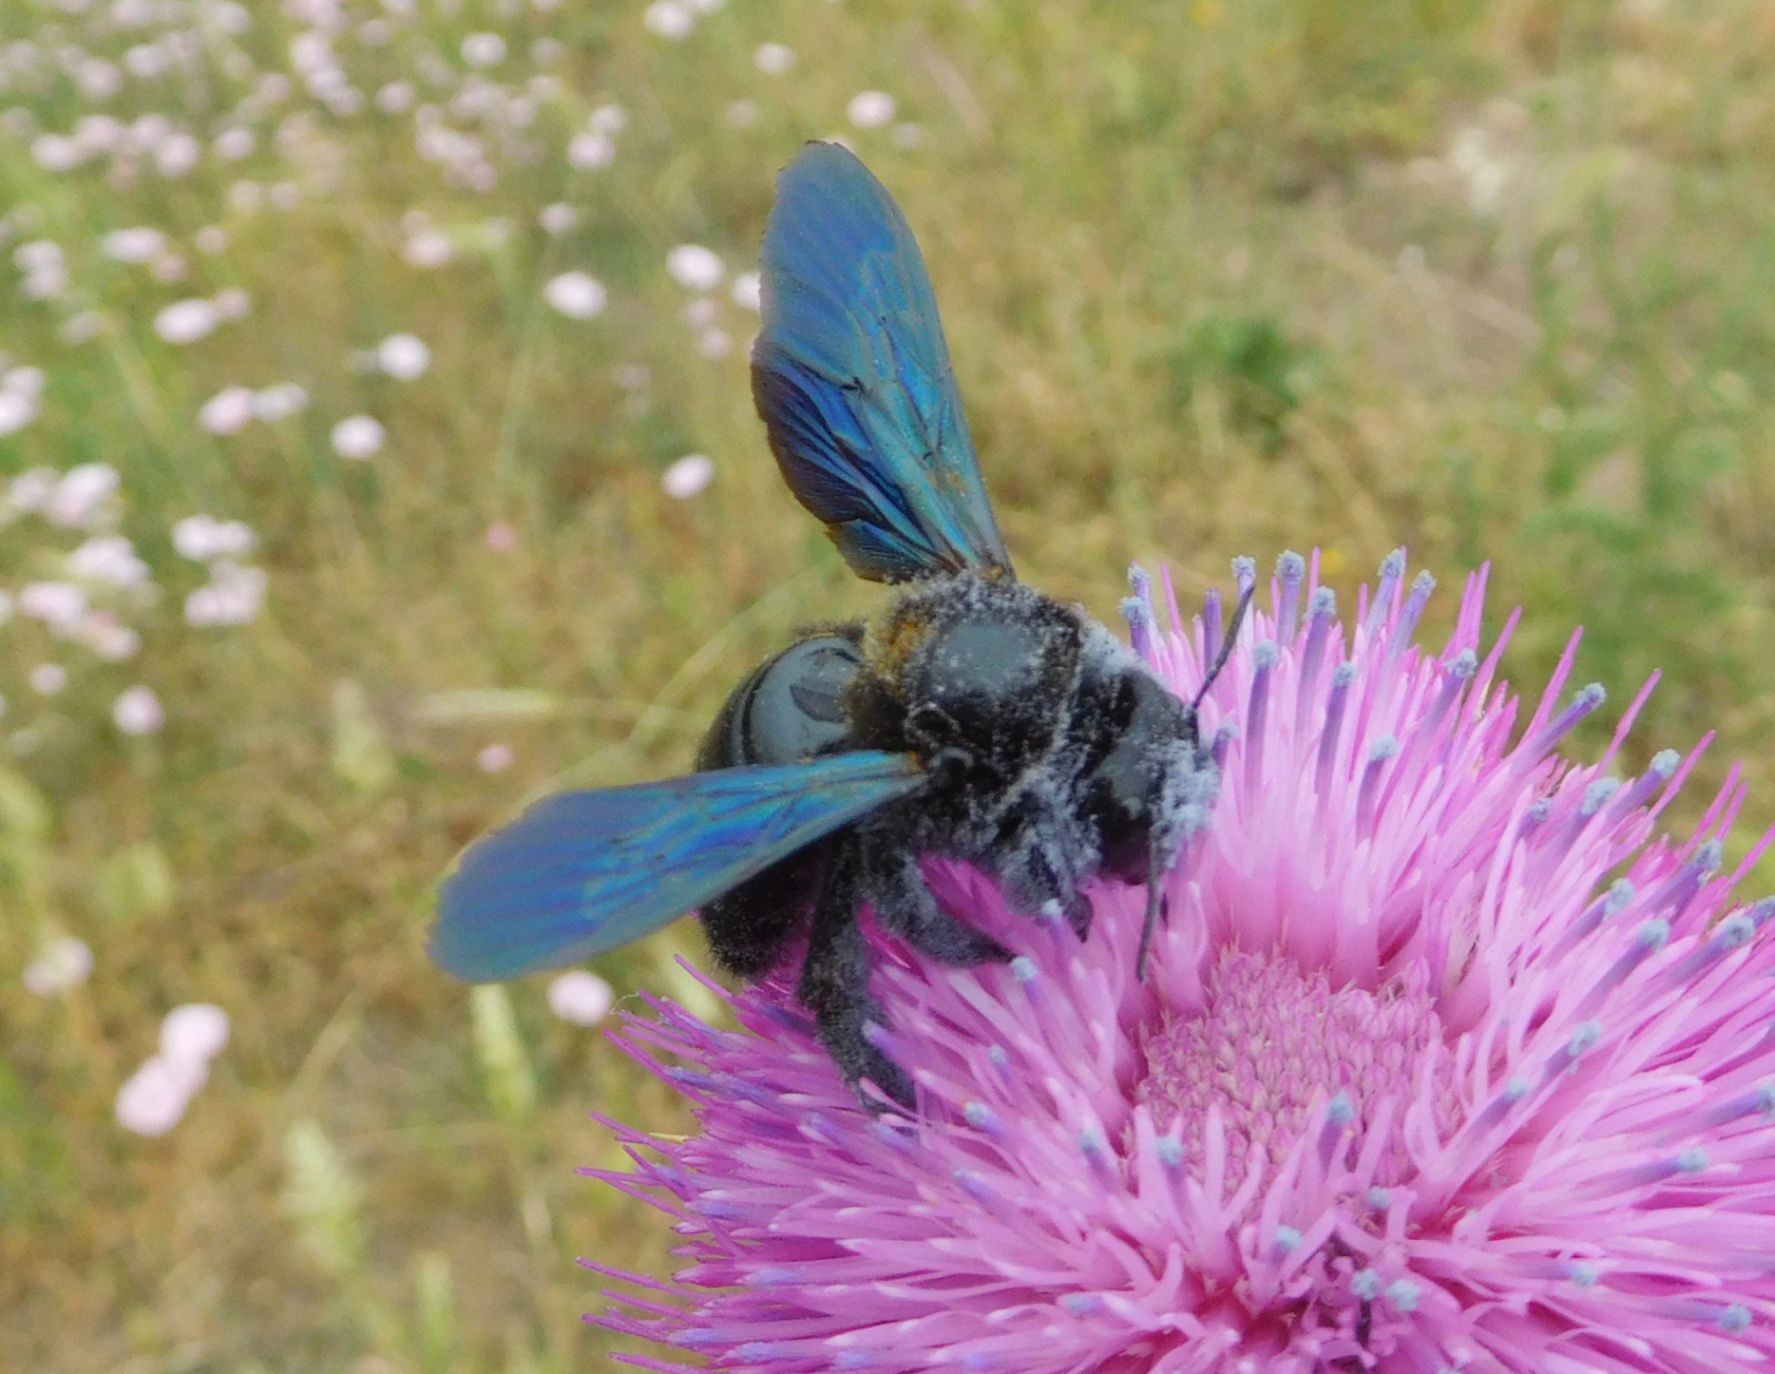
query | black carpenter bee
(973,718)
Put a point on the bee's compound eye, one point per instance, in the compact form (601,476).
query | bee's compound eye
(795,709)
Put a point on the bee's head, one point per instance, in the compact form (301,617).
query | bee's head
(1149,751)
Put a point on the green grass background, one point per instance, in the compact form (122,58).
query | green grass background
(1215,282)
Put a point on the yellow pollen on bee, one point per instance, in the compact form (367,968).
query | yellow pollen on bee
(889,643)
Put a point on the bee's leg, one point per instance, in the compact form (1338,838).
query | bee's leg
(1040,863)
(1038,875)
(1071,901)
(835,983)
(905,904)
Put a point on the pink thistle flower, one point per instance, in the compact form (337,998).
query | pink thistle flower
(1446,1060)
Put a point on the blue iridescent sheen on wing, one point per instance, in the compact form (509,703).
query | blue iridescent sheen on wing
(580,873)
(852,377)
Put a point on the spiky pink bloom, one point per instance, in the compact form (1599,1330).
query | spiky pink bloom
(1448,1060)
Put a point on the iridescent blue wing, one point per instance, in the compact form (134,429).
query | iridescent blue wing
(583,872)
(852,377)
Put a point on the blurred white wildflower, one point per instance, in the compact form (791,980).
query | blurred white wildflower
(589,150)
(24,381)
(576,295)
(154,1098)
(65,963)
(870,109)
(668,19)
(235,144)
(187,321)
(483,50)
(44,269)
(37,255)
(20,390)
(1475,159)
(59,605)
(145,60)
(774,58)
(358,437)
(108,558)
(747,290)
(693,266)
(233,596)
(195,1032)
(80,494)
(203,537)
(109,638)
(579,997)
(232,303)
(608,118)
(177,154)
(137,711)
(559,218)
(495,758)
(229,16)
(688,476)
(57,152)
(81,326)
(136,244)
(395,98)
(228,411)
(47,679)
(279,402)
(403,356)
(97,78)
(426,247)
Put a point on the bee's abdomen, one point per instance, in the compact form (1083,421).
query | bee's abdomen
(792,707)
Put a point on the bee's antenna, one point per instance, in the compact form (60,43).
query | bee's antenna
(1226,644)
(1157,909)
(1157,902)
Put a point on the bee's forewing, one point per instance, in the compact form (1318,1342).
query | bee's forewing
(580,873)
(852,377)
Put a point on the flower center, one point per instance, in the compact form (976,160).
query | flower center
(1271,1044)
